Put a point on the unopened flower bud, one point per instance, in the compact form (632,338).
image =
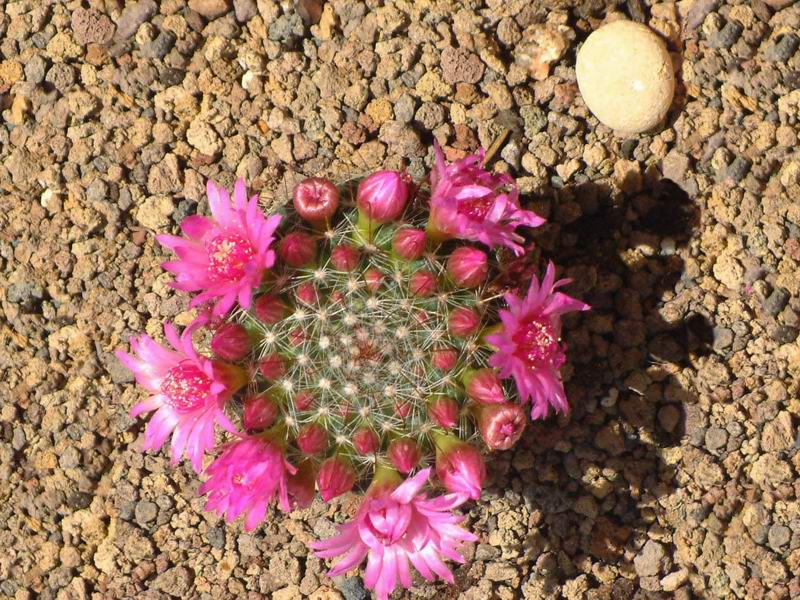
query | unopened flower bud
(297,336)
(345,257)
(468,266)
(259,412)
(231,341)
(312,439)
(409,244)
(463,322)
(444,359)
(382,196)
(443,410)
(307,293)
(272,366)
(501,425)
(484,387)
(316,199)
(374,279)
(301,485)
(404,454)
(298,249)
(270,309)
(335,477)
(423,284)
(303,400)
(402,408)
(366,441)
(460,466)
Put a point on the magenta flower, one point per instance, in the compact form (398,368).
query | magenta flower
(398,527)
(468,202)
(528,346)
(245,478)
(223,257)
(188,393)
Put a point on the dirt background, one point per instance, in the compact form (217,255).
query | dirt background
(675,476)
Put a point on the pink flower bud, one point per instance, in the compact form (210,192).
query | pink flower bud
(444,359)
(345,257)
(484,387)
(270,309)
(272,366)
(382,196)
(231,342)
(404,454)
(374,279)
(298,249)
(468,266)
(316,199)
(297,336)
(366,441)
(460,467)
(443,410)
(303,400)
(501,425)
(259,412)
(463,322)
(307,293)
(402,408)
(423,284)
(312,439)
(409,244)
(335,478)
(301,486)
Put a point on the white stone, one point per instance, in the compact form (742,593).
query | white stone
(625,76)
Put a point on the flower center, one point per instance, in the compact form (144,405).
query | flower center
(476,209)
(227,257)
(536,342)
(186,387)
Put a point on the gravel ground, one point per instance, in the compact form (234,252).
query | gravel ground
(676,475)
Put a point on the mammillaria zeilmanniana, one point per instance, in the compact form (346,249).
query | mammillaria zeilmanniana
(361,337)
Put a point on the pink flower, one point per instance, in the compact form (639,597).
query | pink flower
(468,202)
(245,478)
(260,412)
(298,249)
(224,257)
(484,387)
(409,244)
(316,199)
(335,477)
(188,393)
(528,347)
(468,266)
(398,527)
(382,196)
(404,454)
(231,341)
(444,411)
(463,322)
(501,425)
(459,466)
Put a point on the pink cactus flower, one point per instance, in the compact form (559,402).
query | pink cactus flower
(316,199)
(244,479)
(468,202)
(188,390)
(223,257)
(459,466)
(528,346)
(382,196)
(404,454)
(463,322)
(501,425)
(231,341)
(484,387)
(335,478)
(468,266)
(397,527)
(409,244)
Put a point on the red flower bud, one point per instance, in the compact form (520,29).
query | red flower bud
(303,400)
(444,359)
(312,439)
(468,266)
(374,279)
(270,309)
(307,293)
(402,408)
(272,366)
(366,441)
(501,425)
(423,284)
(298,249)
(444,411)
(296,337)
(259,412)
(484,387)
(231,342)
(459,466)
(463,322)
(301,486)
(345,257)
(404,454)
(316,199)
(409,244)
(382,196)
(335,478)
